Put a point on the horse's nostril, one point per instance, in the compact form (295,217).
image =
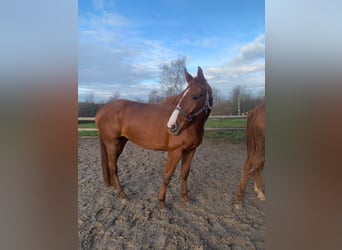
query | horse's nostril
(174,127)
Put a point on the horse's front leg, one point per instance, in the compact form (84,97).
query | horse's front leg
(186,163)
(173,158)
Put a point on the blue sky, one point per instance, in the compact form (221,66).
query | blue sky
(122,44)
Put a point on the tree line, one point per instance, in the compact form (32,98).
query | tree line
(240,101)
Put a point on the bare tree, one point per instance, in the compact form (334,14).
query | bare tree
(89,98)
(115,96)
(154,96)
(243,100)
(88,107)
(217,96)
(222,105)
(172,77)
(139,99)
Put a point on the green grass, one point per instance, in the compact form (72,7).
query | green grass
(230,136)
(87,133)
(225,123)
(223,135)
(87,125)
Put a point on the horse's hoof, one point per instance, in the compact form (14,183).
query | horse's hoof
(162,205)
(261,197)
(122,195)
(185,198)
(238,206)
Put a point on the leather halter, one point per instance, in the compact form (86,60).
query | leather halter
(191,117)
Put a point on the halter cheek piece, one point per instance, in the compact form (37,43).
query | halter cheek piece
(191,117)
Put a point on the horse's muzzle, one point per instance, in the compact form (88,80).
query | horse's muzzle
(174,129)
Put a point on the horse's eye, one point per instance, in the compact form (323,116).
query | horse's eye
(196,97)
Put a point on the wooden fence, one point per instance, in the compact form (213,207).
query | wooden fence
(217,117)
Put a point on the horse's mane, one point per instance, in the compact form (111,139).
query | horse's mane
(172,100)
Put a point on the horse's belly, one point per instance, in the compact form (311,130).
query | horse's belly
(154,140)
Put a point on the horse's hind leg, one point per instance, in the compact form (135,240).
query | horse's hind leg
(243,183)
(114,149)
(104,163)
(186,162)
(258,165)
(258,183)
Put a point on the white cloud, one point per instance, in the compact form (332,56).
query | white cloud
(246,69)
(114,57)
(112,20)
(251,52)
(115,60)
(207,42)
(102,92)
(106,28)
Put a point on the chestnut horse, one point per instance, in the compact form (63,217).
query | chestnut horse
(255,160)
(175,125)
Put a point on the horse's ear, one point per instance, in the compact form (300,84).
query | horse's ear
(188,77)
(200,73)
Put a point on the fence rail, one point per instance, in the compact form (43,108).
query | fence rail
(92,119)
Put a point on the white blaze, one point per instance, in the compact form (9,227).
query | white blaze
(174,115)
(173,118)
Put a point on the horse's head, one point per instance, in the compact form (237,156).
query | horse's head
(194,103)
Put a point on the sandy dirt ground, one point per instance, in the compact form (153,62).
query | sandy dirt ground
(208,221)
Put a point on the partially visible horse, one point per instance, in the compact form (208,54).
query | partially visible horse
(175,125)
(254,163)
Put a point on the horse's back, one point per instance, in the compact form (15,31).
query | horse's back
(141,123)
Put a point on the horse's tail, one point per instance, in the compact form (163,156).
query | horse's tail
(104,161)
(250,140)
(255,137)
